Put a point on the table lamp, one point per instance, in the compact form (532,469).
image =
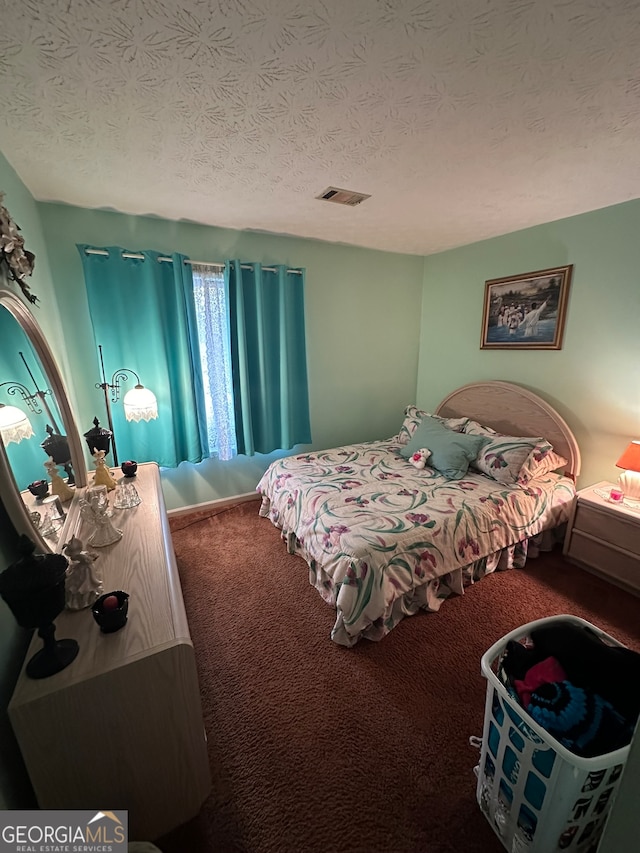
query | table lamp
(630,480)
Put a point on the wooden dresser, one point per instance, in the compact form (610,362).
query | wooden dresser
(604,537)
(121,727)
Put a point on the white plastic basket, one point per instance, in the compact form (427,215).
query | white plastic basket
(537,795)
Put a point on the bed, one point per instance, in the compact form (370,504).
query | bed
(384,539)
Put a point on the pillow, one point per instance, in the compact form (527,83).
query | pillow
(474,428)
(512,459)
(451,452)
(540,463)
(503,456)
(412,418)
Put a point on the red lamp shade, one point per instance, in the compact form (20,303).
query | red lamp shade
(629,480)
(630,459)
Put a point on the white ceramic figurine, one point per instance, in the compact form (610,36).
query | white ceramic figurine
(95,513)
(83,584)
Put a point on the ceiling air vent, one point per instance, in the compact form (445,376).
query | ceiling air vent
(339,196)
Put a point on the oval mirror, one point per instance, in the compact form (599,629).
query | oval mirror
(31,383)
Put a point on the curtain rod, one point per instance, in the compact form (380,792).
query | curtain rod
(161,259)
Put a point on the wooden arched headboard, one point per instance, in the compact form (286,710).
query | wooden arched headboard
(513,410)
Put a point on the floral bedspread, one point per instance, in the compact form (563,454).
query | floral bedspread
(383,539)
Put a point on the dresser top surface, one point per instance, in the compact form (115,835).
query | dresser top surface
(142,564)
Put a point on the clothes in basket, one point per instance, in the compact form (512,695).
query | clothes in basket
(538,795)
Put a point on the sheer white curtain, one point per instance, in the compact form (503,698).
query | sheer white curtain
(215,355)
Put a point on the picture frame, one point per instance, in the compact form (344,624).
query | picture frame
(526,311)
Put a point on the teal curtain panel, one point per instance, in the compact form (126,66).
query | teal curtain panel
(268,353)
(143,316)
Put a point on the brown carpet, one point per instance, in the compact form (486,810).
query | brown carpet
(315,748)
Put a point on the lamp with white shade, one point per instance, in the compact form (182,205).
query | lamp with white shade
(35,399)
(630,480)
(140,403)
(14,425)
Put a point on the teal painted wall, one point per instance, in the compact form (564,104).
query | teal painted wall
(362,323)
(594,380)
(24,212)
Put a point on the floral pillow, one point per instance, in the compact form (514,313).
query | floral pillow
(474,428)
(503,456)
(413,417)
(539,463)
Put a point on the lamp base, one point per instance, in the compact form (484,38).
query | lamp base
(629,482)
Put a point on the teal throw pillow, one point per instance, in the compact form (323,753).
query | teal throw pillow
(451,452)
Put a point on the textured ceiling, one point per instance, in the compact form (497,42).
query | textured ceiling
(463,119)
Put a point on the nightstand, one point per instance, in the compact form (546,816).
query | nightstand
(604,537)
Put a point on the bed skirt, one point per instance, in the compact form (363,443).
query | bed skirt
(426,596)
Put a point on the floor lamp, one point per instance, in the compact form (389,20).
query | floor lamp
(140,404)
(14,388)
(15,425)
(42,396)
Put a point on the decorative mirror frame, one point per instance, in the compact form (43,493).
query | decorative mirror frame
(9,491)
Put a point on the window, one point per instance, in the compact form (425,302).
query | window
(215,357)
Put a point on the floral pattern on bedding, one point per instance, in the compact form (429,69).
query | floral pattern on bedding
(383,539)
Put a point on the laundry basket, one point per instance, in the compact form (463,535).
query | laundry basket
(537,795)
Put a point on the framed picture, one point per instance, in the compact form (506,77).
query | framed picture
(526,311)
